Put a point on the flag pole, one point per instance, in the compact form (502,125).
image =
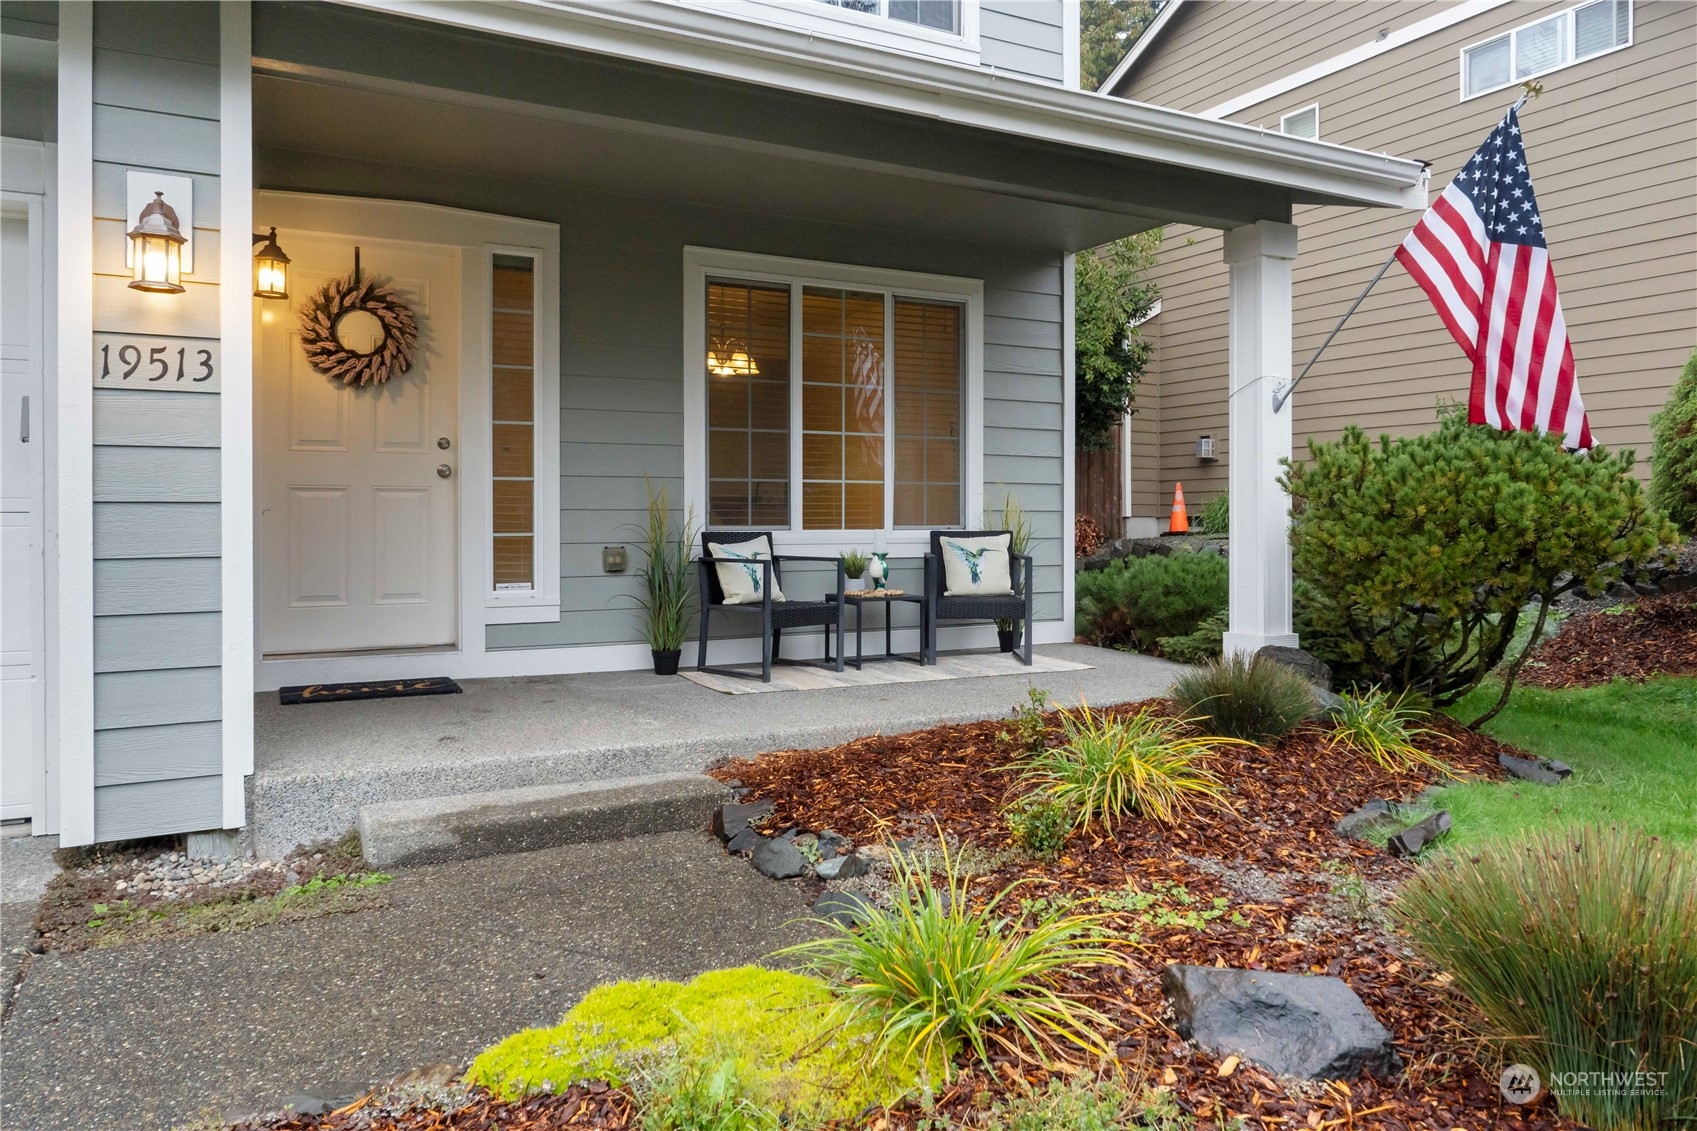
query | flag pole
(1532,89)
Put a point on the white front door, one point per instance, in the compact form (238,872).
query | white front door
(359,515)
(22,607)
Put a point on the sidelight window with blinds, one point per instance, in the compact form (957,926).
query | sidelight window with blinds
(833,408)
(512,426)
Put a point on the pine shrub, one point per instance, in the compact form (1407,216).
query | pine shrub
(1425,552)
(1196,647)
(1577,950)
(1250,699)
(1673,464)
(1133,602)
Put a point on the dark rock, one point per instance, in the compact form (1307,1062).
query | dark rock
(1326,704)
(778,860)
(1314,671)
(842,907)
(1411,840)
(1291,1024)
(729,820)
(1528,769)
(1557,767)
(734,783)
(1374,817)
(789,834)
(743,842)
(831,843)
(842,867)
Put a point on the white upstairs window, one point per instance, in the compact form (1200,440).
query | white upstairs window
(1302,123)
(1549,44)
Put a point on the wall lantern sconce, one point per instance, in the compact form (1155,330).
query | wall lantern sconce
(270,268)
(730,359)
(156,243)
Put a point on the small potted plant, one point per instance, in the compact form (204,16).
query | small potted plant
(1013,520)
(666,598)
(854,565)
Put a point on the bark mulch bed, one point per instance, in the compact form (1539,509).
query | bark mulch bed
(1297,898)
(1656,636)
(590,1107)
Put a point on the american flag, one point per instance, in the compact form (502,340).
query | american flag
(1480,256)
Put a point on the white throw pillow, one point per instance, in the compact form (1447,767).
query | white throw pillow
(740,580)
(977,567)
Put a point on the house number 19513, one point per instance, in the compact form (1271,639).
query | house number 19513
(175,365)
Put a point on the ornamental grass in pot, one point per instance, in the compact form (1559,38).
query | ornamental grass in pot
(666,599)
(1012,519)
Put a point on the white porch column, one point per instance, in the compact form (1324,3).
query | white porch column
(1259,256)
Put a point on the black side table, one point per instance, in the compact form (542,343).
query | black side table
(858,602)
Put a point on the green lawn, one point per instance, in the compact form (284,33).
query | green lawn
(1633,749)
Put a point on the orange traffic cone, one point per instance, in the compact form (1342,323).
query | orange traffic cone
(1180,523)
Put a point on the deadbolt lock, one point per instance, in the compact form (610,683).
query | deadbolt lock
(444,443)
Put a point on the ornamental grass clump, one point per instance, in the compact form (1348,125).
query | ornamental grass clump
(1108,767)
(934,977)
(1577,949)
(1247,698)
(1383,727)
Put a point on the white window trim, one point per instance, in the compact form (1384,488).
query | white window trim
(1569,24)
(1314,106)
(859,27)
(700,264)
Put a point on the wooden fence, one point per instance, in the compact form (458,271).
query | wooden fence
(1099,486)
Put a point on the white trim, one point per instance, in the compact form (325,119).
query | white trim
(513,662)
(1372,49)
(1069,437)
(71,555)
(699,263)
(689,38)
(1144,43)
(236,400)
(1071,47)
(477,236)
(1284,119)
(1570,34)
(881,30)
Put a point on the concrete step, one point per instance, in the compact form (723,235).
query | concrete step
(465,826)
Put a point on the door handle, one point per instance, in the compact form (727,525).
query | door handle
(23,423)
(444,470)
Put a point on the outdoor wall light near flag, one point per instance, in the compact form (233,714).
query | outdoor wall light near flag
(156,243)
(730,359)
(270,268)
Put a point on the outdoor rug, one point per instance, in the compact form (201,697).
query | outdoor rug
(381,689)
(807,677)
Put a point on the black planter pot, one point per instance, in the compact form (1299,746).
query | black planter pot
(665,663)
(1007,639)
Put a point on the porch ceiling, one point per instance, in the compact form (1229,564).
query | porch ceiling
(340,81)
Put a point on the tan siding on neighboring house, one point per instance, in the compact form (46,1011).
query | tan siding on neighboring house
(1613,147)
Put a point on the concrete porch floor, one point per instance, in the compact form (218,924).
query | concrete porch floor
(315,766)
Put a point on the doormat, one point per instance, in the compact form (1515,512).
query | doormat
(345,692)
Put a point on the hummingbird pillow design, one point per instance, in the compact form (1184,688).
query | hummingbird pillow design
(740,575)
(977,567)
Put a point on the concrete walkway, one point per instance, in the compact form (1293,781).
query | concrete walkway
(159,1035)
(316,765)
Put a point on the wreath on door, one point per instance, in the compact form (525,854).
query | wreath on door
(358,331)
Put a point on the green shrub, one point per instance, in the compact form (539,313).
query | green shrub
(1196,647)
(1577,950)
(1215,515)
(1673,464)
(789,1053)
(1030,727)
(1423,552)
(1249,699)
(934,977)
(708,1094)
(1108,767)
(1087,1103)
(1040,824)
(1382,727)
(1135,601)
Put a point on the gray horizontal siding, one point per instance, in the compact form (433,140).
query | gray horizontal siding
(157,753)
(157,808)
(1023,36)
(157,537)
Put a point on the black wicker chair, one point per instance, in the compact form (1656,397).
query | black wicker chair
(939,606)
(775,616)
